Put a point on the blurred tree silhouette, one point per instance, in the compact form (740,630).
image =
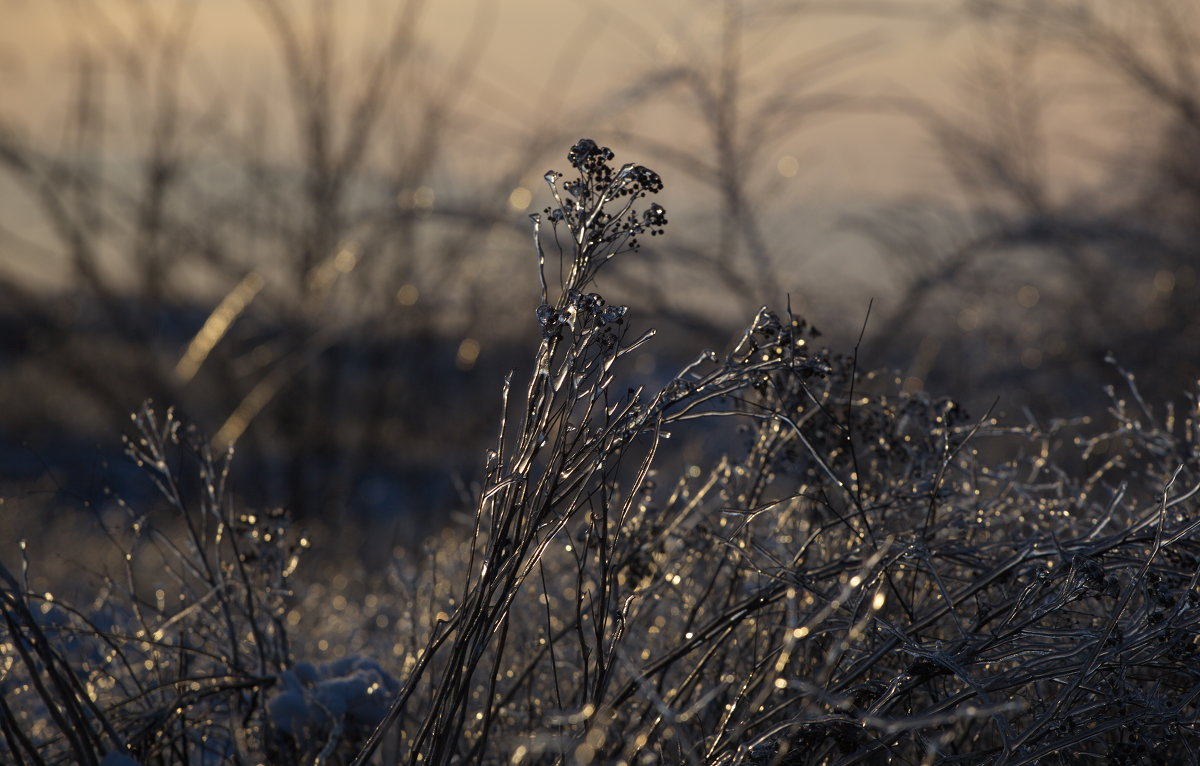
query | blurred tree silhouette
(1073,243)
(297,264)
(324,239)
(750,91)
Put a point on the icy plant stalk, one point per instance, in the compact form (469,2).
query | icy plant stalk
(560,472)
(535,478)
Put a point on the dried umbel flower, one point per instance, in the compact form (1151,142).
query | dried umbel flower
(598,208)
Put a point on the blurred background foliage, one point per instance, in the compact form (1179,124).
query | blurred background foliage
(305,224)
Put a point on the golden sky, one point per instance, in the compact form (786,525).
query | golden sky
(536,59)
(532,63)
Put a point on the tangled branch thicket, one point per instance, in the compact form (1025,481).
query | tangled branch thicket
(845,574)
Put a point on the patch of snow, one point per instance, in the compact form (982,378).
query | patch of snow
(348,696)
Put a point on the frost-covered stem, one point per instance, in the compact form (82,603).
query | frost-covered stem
(536,220)
(528,502)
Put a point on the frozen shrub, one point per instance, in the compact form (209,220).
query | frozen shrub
(176,652)
(848,574)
